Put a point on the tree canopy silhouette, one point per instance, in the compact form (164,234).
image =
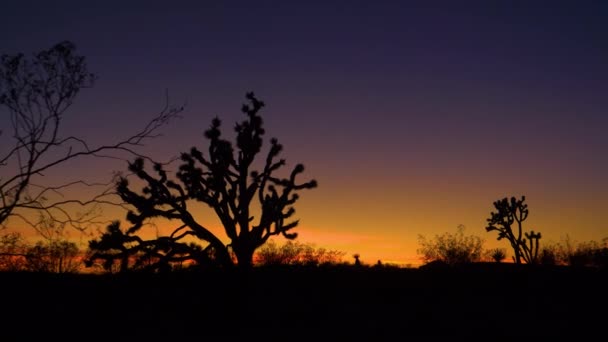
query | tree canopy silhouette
(525,245)
(224,179)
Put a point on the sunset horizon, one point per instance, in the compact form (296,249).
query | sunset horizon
(413,118)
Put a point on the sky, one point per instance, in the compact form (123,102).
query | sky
(413,116)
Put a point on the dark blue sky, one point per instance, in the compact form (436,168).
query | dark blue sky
(396,107)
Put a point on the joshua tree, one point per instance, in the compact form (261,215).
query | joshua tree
(224,179)
(507,213)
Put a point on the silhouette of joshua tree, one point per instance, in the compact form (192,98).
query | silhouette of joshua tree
(509,212)
(225,180)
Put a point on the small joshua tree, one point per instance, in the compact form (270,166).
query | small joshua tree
(508,212)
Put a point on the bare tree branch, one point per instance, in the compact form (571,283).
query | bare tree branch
(37,93)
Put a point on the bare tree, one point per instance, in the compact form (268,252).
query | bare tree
(226,181)
(37,93)
(525,245)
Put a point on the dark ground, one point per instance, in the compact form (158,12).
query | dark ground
(478,302)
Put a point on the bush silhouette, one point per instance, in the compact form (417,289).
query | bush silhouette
(451,248)
(296,253)
(497,254)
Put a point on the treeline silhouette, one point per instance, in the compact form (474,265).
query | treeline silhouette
(63,256)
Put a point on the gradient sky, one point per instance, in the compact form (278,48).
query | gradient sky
(413,116)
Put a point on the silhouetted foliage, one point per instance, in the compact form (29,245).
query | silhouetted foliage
(576,254)
(497,254)
(37,93)
(450,248)
(582,254)
(54,256)
(121,251)
(549,255)
(225,180)
(12,252)
(296,253)
(507,213)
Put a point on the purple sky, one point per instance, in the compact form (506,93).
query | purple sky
(413,116)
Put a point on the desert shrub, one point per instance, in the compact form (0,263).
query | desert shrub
(450,248)
(496,254)
(296,253)
(582,254)
(549,255)
(601,255)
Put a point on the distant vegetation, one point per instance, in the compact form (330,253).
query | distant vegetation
(296,253)
(508,220)
(62,256)
(55,253)
(577,254)
(450,248)
(55,256)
